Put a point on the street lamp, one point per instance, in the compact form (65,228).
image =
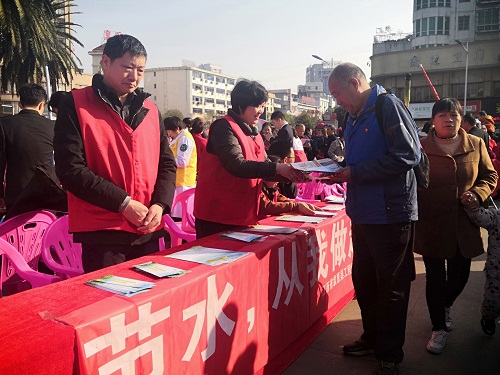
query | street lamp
(330,99)
(466,49)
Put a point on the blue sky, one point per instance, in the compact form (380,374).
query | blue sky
(270,41)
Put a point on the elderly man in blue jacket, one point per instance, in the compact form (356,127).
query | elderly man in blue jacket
(382,205)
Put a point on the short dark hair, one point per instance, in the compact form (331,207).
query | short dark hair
(30,95)
(482,113)
(247,93)
(173,123)
(187,121)
(280,148)
(469,119)
(119,45)
(427,127)
(197,126)
(446,105)
(55,99)
(277,115)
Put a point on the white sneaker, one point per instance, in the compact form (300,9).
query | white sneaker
(447,317)
(438,341)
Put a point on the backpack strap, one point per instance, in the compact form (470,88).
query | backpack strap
(379,105)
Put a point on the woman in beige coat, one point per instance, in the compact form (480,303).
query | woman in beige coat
(444,235)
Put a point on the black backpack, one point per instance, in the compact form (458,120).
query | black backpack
(422,169)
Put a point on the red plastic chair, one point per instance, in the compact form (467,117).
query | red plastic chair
(11,256)
(59,252)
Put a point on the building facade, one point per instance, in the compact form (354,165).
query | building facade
(451,39)
(195,91)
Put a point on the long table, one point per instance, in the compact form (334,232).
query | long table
(252,316)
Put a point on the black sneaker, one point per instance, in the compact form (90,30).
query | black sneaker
(488,326)
(359,347)
(388,368)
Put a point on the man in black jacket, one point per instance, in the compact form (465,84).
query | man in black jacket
(285,131)
(119,181)
(26,143)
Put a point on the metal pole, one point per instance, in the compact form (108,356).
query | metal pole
(466,72)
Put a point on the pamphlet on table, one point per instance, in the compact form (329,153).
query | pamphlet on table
(333,207)
(301,218)
(325,213)
(334,199)
(121,285)
(160,270)
(271,229)
(245,237)
(207,255)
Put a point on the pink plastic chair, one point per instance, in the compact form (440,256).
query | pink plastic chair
(186,200)
(176,233)
(59,252)
(309,190)
(24,233)
(10,255)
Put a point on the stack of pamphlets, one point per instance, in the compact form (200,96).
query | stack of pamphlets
(334,199)
(245,237)
(121,285)
(271,229)
(325,213)
(301,218)
(207,255)
(160,270)
(332,207)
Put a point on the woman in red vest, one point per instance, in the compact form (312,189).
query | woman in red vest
(232,168)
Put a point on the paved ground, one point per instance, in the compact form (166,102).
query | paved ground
(469,351)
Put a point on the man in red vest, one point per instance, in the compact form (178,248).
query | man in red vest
(113,158)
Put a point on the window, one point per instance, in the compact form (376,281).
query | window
(440,26)
(432,25)
(154,74)
(154,85)
(220,91)
(463,23)
(424,26)
(464,1)
(487,20)
(220,102)
(496,88)
(417,28)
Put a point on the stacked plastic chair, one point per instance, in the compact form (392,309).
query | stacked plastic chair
(184,229)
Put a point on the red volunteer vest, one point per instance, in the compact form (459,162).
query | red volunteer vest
(223,198)
(114,151)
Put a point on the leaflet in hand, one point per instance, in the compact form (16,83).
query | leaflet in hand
(121,285)
(245,237)
(160,270)
(321,165)
(207,255)
(271,229)
(301,218)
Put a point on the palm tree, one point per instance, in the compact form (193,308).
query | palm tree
(35,34)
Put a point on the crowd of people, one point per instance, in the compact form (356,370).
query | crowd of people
(121,165)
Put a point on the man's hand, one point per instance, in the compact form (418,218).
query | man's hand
(152,220)
(135,213)
(292,174)
(343,175)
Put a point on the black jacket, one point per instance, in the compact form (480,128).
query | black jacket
(26,143)
(286,134)
(76,177)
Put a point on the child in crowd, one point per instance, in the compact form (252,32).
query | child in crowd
(272,202)
(490,220)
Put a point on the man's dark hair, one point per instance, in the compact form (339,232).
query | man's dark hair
(119,45)
(187,121)
(469,119)
(280,148)
(30,95)
(427,127)
(247,93)
(55,99)
(197,126)
(482,113)
(173,123)
(278,115)
(446,105)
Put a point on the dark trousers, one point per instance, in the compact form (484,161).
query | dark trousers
(382,271)
(206,228)
(445,280)
(95,257)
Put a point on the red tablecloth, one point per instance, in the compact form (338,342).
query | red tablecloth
(253,315)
